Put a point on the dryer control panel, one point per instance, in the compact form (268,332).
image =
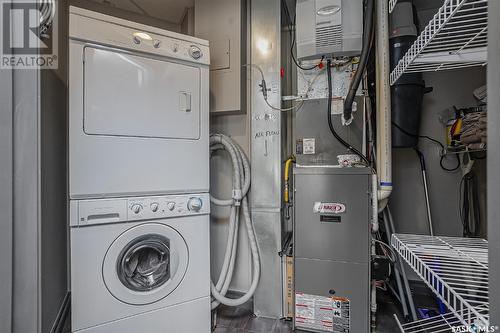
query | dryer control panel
(102,211)
(85,25)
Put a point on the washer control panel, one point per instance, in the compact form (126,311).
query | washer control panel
(167,206)
(105,211)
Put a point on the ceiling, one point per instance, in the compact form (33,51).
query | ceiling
(167,10)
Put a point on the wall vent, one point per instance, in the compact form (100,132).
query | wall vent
(329,36)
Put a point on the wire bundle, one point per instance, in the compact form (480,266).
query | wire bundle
(469,205)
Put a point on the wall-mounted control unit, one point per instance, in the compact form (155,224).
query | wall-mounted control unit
(329,27)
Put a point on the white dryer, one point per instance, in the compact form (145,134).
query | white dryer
(139,109)
(141,264)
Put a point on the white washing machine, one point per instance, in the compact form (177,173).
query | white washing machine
(139,109)
(141,264)
(138,150)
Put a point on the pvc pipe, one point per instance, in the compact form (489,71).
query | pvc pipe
(384,142)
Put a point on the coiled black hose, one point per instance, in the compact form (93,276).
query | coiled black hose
(329,116)
(363,61)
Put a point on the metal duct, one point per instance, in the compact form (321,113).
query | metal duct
(265,39)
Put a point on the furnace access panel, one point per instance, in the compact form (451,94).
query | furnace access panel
(332,249)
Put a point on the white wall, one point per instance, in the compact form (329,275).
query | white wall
(126,15)
(407,201)
(494,159)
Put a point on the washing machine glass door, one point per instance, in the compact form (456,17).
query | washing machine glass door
(145,264)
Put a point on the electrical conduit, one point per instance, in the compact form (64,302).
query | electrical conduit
(238,204)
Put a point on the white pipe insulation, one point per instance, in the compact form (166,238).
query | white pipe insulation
(384,140)
(238,204)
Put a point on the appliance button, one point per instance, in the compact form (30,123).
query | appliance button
(195,52)
(136,208)
(171,205)
(154,207)
(194,204)
(156,43)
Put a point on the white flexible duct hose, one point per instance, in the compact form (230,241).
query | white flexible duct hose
(238,203)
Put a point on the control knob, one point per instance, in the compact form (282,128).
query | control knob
(171,205)
(195,52)
(194,204)
(136,208)
(154,207)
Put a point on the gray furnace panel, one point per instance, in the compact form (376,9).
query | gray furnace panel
(332,249)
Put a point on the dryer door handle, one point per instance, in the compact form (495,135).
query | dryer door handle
(185,101)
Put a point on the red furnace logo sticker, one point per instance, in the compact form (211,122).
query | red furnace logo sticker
(329,208)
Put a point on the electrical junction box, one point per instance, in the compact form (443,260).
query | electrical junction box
(332,236)
(329,27)
(223,24)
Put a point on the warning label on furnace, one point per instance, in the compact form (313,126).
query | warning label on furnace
(305,146)
(329,314)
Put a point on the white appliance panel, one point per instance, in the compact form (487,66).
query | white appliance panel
(138,110)
(171,319)
(132,95)
(94,306)
(103,166)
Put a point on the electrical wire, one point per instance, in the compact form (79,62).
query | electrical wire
(263,86)
(443,150)
(295,107)
(392,257)
(329,116)
(469,205)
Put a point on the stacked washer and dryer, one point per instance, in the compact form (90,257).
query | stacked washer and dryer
(138,177)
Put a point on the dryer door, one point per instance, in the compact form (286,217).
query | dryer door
(145,264)
(138,96)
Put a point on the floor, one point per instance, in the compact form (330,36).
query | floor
(242,320)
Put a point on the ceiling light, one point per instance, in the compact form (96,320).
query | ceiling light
(264,45)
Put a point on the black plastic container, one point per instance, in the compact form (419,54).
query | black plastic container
(406,98)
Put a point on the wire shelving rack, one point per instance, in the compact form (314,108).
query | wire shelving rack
(456,37)
(392,4)
(455,269)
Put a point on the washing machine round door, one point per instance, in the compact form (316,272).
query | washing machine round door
(145,264)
